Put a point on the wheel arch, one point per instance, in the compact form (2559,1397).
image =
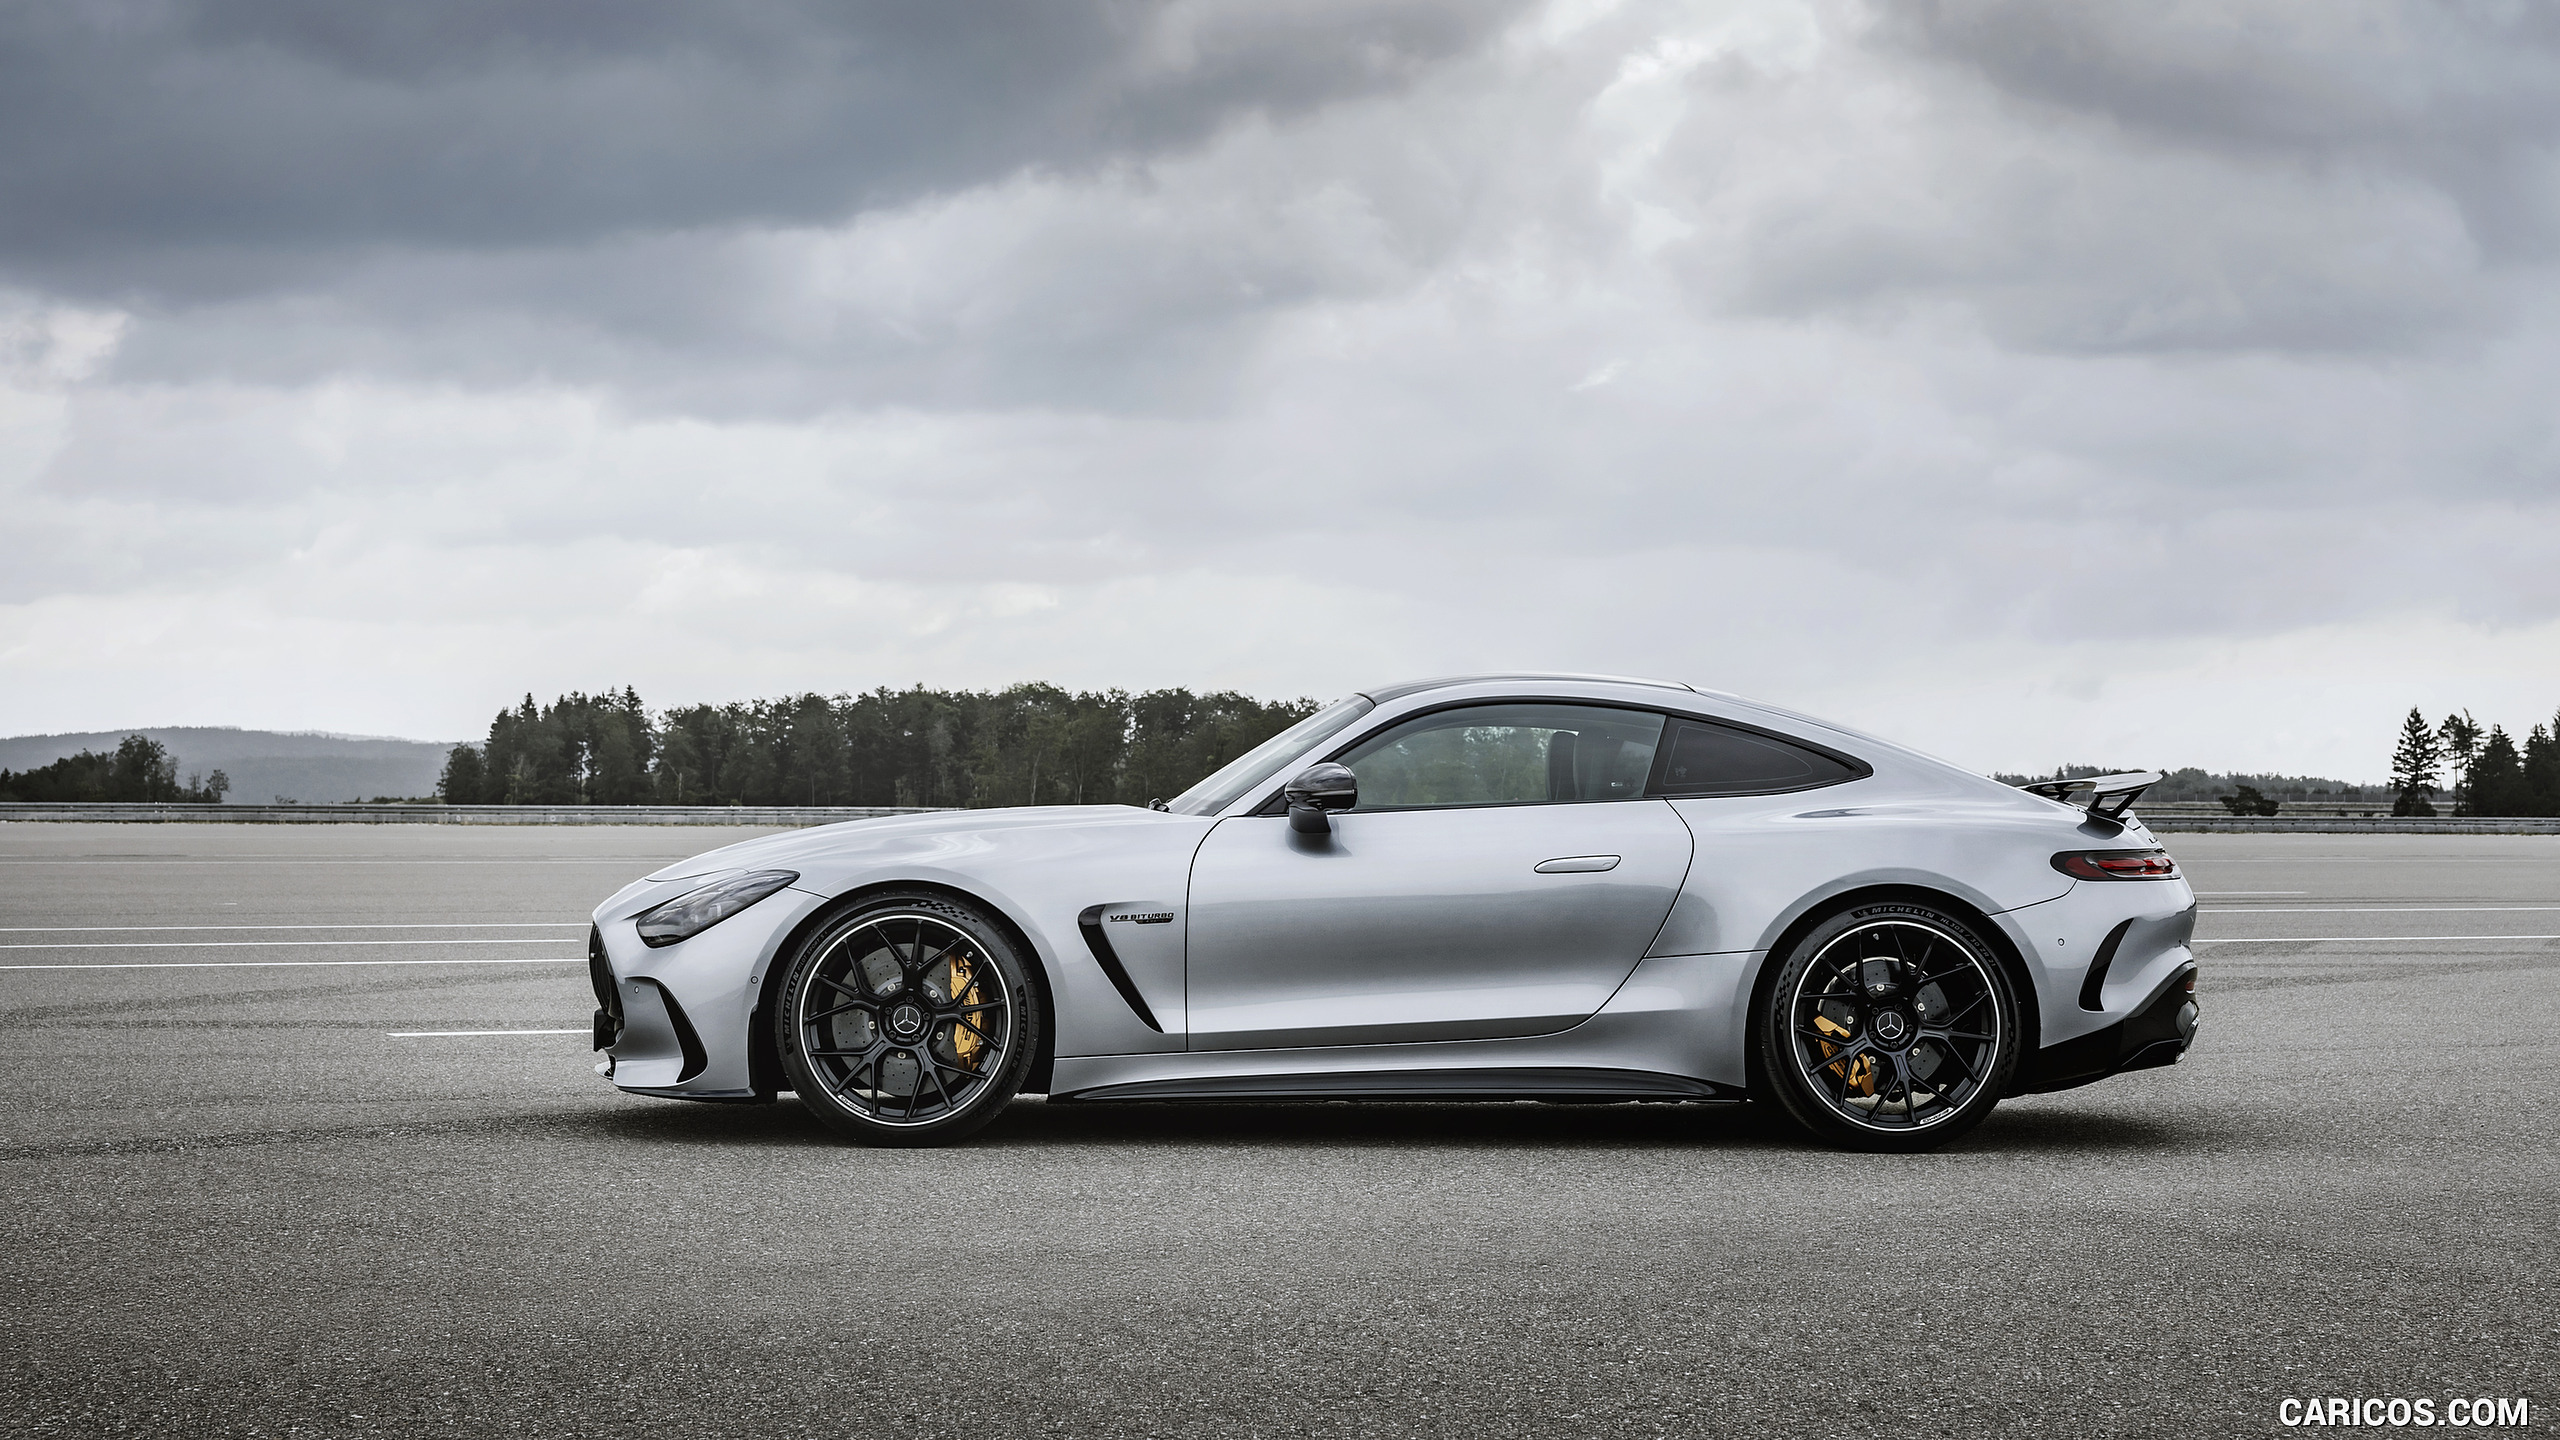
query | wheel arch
(2021,984)
(764,1062)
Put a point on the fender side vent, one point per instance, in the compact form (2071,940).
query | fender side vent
(1090,922)
(2097,980)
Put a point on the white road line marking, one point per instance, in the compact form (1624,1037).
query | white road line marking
(2373,909)
(297,964)
(2253,892)
(441,1033)
(257,944)
(2358,939)
(2379,857)
(652,862)
(421,925)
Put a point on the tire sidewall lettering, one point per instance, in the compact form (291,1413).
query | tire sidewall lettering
(1776,1023)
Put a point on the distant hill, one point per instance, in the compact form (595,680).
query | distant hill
(265,765)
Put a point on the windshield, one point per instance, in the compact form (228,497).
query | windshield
(1259,764)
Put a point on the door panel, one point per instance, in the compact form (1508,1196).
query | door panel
(1424,924)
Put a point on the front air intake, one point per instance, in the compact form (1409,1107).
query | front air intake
(695,1060)
(608,1020)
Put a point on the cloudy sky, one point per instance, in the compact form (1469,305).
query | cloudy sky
(2032,381)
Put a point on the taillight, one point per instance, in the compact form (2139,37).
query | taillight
(2117,864)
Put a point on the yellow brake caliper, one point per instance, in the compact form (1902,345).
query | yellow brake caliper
(1862,1071)
(965,1039)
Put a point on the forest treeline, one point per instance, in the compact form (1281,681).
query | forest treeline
(1026,745)
(2482,772)
(139,768)
(2472,769)
(1043,745)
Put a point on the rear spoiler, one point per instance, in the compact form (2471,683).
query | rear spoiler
(2107,795)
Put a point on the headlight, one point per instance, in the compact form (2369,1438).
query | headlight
(698,909)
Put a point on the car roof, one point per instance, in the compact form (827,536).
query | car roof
(1384,694)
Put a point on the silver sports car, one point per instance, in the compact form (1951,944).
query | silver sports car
(1512,887)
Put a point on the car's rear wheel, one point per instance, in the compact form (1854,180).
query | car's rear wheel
(1890,1027)
(908,1021)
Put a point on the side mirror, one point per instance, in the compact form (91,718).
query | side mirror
(1317,790)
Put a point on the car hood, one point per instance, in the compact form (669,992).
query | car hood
(948,832)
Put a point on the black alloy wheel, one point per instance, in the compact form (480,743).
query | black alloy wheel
(1890,1027)
(909,1021)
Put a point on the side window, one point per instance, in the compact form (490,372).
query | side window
(1516,754)
(1721,760)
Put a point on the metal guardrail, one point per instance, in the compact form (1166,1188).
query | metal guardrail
(2342,825)
(2291,810)
(2287,808)
(763,815)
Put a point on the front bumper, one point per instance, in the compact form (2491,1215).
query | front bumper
(2157,1033)
(676,1020)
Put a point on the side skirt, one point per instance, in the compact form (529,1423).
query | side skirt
(1455,1084)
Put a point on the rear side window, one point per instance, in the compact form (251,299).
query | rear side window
(1708,759)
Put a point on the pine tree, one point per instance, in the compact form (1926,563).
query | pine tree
(2414,766)
(2542,771)
(461,783)
(2460,736)
(2497,777)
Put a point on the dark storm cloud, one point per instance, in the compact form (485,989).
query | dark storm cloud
(160,145)
(2464,93)
(2095,178)
(1115,292)
(2287,73)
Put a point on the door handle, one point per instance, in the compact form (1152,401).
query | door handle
(1572,864)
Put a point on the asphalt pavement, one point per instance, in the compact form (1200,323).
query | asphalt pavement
(260,1182)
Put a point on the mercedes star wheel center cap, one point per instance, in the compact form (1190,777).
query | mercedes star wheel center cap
(1890,1026)
(906,1022)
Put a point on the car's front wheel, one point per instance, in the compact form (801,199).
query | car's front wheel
(907,1021)
(1890,1027)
